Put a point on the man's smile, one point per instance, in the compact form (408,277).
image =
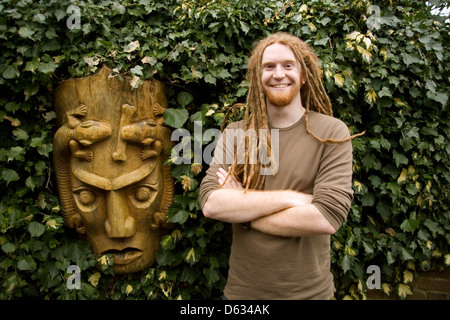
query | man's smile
(280,86)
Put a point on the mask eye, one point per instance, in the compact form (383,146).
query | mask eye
(87,197)
(142,194)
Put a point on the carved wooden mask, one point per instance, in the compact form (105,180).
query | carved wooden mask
(108,155)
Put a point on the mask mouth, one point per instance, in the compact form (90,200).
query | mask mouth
(124,256)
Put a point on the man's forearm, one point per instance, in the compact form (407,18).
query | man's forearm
(298,221)
(280,212)
(237,206)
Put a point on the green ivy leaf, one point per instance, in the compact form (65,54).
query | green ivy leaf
(9,175)
(15,153)
(211,275)
(368,248)
(412,58)
(406,255)
(27,264)
(175,117)
(245,27)
(37,142)
(440,97)
(409,225)
(390,257)
(165,257)
(394,187)
(36,229)
(177,215)
(433,226)
(384,210)
(8,247)
(368,200)
(347,263)
(400,159)
(11,72)
(20,134)
(167,242)
(209,78)
(32,65)
(26,32)
(184,98)
(47,68)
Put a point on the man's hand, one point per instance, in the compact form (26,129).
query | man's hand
(231,182)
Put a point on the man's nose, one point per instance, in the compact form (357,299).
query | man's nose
(118,223)
(279,72)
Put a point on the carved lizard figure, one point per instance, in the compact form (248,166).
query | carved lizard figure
(70,139)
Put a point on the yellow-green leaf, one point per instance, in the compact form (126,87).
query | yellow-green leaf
(399,102)
(366,55)
(353,36)
(337,244)
(104,260)
(132,46)
(176,234)
(371,96)
(51,224)
(312,26)
(350,251)
(162,275)
(386,288)
(403,176)
(384,53)
(93,279)
(404,290)
(436,253)
(408,276)
(129,289)
(191,255)
(358,185)
(338,79)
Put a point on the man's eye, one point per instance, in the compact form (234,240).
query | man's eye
(142,194)
(87,197)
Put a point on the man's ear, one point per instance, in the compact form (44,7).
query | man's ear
(302,78)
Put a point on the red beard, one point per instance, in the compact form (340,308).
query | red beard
(281,98)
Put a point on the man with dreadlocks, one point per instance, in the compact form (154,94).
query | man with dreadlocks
(282,221)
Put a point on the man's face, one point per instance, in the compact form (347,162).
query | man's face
(280,75)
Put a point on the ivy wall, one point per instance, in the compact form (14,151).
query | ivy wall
(385,67)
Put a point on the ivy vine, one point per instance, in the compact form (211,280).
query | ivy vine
(385,67)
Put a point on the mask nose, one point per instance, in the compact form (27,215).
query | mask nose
(118,223)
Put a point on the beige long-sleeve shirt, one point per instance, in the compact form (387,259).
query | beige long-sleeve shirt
(264,266)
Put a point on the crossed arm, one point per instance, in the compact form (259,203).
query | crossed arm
(279,212)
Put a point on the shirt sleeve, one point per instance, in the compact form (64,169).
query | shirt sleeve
(333,192)
(223,158)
